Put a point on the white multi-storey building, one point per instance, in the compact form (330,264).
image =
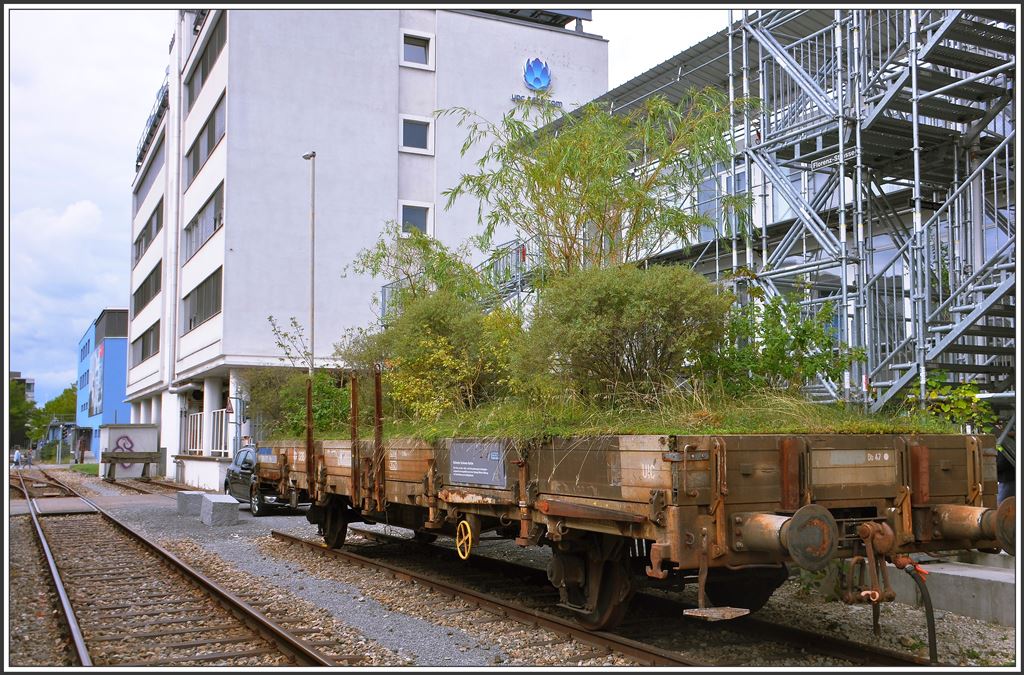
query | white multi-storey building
(221,199)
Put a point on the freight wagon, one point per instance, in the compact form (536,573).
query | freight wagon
(728,512)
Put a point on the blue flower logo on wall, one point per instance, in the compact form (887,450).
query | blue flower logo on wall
(537,75)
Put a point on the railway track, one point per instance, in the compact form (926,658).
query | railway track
(128,602)
(661,620)
(151,487)
(647,654)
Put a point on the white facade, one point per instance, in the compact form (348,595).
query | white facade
(291,81)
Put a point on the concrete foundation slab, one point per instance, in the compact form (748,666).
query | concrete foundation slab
(190,502)
(986,593)
(61,505)
(219,510)
(17,507)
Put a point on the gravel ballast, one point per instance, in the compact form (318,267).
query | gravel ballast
(426,629)
(37,635)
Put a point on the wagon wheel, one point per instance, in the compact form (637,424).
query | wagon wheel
(422,537)
(335,526)
(463,539)
(613,597)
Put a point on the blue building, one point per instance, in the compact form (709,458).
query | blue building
(102,373)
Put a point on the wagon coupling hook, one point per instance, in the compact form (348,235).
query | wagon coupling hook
(871,595)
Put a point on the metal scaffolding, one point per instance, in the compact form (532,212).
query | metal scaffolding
(888,139)
(882,165)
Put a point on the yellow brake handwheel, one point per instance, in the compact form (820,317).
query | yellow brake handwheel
(463,539)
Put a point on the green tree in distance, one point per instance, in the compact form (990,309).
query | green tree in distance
(19,413)
(61,406)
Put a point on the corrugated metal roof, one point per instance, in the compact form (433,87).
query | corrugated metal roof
(547,17)
(707,62)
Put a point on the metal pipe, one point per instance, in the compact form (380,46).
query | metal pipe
(929,613)
(918,323)
(310,472)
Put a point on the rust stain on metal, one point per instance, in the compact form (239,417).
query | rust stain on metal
(789,465)
(920,471)
(464,497)
(572,510)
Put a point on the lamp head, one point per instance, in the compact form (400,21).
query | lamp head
(309,155)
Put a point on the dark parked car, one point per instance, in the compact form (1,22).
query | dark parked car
(240,483)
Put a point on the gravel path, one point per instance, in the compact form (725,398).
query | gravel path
(37,636)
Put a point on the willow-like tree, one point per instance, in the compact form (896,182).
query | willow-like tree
(593,188)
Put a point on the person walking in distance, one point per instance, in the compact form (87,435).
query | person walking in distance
(17,458)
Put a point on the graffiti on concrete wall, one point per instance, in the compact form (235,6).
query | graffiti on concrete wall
(124,444)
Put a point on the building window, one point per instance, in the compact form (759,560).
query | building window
(209,219)
(202,303)
(84,353)
(206,61)
(416,134)
(417,50)
(148,233)
(146,345)
(208,138)
(147,290)
(83,380)
(415,216)
(84,406)
(148,177)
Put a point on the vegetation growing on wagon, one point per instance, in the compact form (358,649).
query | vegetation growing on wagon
(609,345)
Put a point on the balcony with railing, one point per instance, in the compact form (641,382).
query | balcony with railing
(194,441)
(152,123)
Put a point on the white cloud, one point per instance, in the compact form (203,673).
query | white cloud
(65,267)
(81,85)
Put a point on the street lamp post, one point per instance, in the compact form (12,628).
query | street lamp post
(311,156)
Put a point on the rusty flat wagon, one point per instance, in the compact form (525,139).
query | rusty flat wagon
(728,512)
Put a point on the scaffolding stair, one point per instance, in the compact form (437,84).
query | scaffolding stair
(971,325)
(963,42)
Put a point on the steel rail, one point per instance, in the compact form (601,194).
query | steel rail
(70,620)
(303,654)
(645,653)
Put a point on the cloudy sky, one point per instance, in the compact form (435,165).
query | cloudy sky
(80,85)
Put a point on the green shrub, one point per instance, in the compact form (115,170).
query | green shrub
(444,353)
(959,403)
(624,329)
(770,345)
(278,397)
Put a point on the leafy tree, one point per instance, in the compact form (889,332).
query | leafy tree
(19,413)
(594,188)
(62,407)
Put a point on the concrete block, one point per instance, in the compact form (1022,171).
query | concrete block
(986,593)
(189,503)
(219,510)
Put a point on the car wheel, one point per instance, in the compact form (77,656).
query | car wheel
(257,506)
